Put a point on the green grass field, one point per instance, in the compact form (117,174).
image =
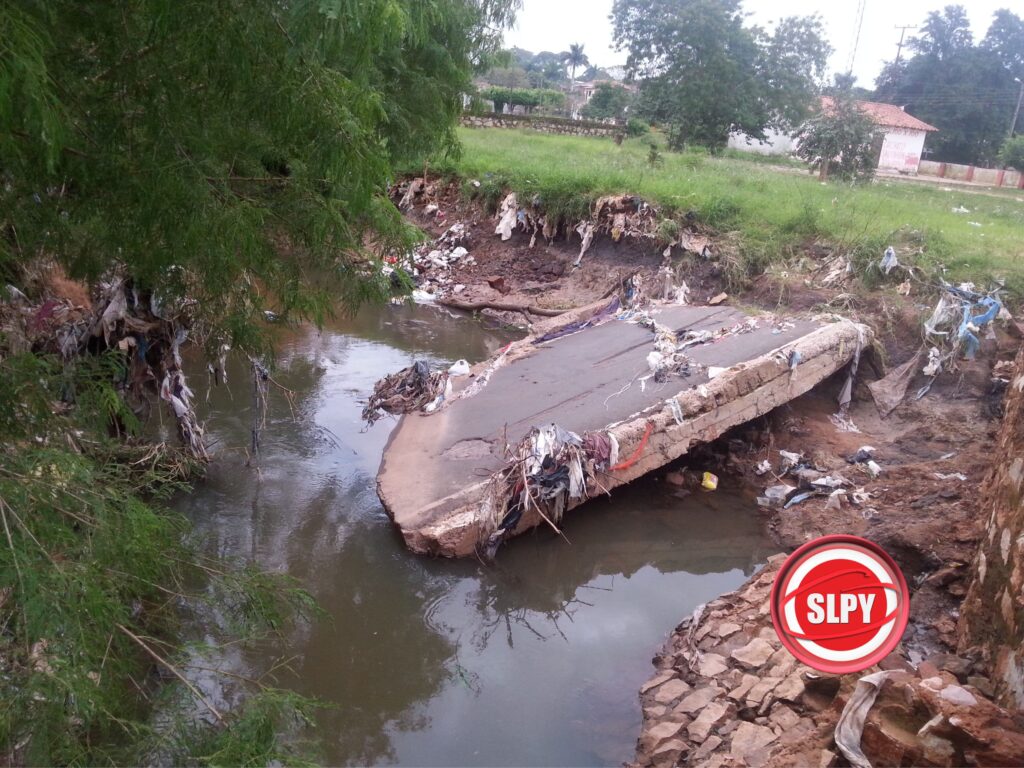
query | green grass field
(775,211)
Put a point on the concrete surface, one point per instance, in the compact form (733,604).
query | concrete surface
(435,465)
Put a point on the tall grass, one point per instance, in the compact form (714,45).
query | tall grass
(775,211)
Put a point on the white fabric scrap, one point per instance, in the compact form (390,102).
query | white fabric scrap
(850,727)
(586,231)
(508,215)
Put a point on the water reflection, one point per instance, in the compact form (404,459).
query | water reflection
(535,661)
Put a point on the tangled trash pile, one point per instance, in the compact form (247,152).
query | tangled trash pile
(416,388)
(430,265)
(952,332)
(117,316)
(548,468)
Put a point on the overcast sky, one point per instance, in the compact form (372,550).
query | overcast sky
(551,25)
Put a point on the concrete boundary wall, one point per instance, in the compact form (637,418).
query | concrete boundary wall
(992,177)
(543,124)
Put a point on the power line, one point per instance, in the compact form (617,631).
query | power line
(856,39)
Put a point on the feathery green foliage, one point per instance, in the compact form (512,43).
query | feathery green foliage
(237,152)
(222,158)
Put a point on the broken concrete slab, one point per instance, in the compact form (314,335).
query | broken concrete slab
(589,381)
(750,738)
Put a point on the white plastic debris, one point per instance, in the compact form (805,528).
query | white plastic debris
(714,371)
(850,727)
(874,468)
(459,368)
(763,468)
(889,261)
(507,217)
(835,500)
(789,460)
(586,232)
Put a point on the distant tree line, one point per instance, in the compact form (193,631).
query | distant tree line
(967,91)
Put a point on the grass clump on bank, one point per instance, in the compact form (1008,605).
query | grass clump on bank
(774,211)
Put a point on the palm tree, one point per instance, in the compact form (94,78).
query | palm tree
(575,58)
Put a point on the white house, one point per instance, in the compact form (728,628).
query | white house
(903,137)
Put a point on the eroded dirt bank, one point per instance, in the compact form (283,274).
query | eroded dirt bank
(725,692)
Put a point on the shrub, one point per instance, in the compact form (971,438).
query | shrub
(1012,153)
(636,127)
(840,141)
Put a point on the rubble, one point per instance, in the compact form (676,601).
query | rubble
(761,708)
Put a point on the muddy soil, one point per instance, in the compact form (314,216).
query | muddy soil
(542,276)
(923,507)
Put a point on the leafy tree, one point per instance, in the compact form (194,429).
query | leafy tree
(608,101)
(966,91)
(1005,38)
(527,98)
(1012,153)
(546,69)
(944,33)
(187,146)
(576,58)
(840,140)
(704,74)
(220,157)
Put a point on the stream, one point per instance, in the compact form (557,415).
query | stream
(536,660)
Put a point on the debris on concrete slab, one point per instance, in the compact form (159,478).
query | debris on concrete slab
(411,389)
(443,510)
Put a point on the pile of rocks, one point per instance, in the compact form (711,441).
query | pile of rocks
(543,124)
(728,694)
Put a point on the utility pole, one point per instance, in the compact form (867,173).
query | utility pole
(1016,112)
(903,31)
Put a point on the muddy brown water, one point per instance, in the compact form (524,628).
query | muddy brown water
(536,660)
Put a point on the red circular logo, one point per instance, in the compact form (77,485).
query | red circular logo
(840,604)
